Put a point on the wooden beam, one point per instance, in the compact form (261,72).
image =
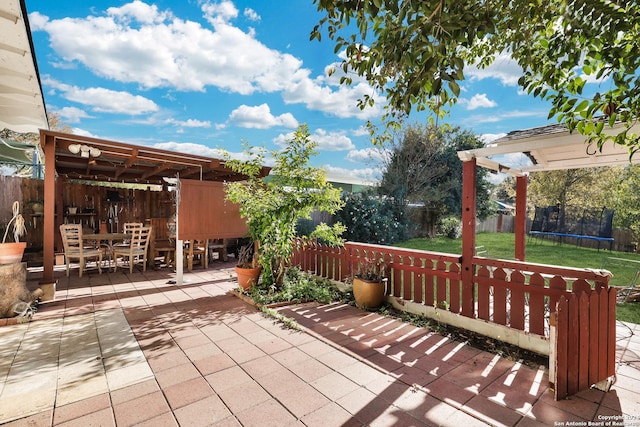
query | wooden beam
(158,170)
(127,164)
(49,147)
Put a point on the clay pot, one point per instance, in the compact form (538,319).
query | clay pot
(248,277)
(11,252)
(369,295)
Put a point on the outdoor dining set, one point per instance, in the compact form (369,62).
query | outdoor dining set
(136,244)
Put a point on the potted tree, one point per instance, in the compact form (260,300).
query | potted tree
(11,252)
(272,207)
(369,283)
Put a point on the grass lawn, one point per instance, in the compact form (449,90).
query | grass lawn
(501,246)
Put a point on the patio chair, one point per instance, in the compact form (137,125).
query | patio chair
(135,251)
(218,246)
(127,228)
(74,247)
(162,243)
(197,251)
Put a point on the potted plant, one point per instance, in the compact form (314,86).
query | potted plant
(11,252)
(369,283)
(247,267)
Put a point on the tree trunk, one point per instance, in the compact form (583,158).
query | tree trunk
(15,298)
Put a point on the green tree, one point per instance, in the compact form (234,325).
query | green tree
(424,168)
(575,187)
(505,191)
(273,207)
(623,195)
(415,53)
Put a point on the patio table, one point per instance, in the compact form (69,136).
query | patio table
(108,239)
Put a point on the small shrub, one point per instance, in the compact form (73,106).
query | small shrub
(299,286)
(451,227)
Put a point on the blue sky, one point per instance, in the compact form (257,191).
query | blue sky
(197,76)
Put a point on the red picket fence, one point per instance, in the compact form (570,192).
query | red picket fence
(585,341)
(518,295)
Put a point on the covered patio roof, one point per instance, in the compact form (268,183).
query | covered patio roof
(22,106)
(550,147)
(121,162)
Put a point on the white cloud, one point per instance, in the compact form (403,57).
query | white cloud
(503,68)
(371,176)
(72,114)
(251,14)
(372,154)
(190,148)
(361,131)
(327,141)
(138,43)
(190,123)
(105,100)
(490,137)
(83,132)
(479,100)
(219,12)
(260,117)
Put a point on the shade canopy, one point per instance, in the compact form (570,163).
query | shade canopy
(550,147)
(22,106)
(15,153)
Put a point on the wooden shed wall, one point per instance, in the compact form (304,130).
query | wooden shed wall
(91,203)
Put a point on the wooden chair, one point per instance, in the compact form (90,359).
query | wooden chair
(219,246)
(74,247)
(127,228)
(136,251)
(197,251)
(161,242)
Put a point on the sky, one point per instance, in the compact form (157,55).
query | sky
(198,76)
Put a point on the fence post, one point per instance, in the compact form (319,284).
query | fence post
(468,235)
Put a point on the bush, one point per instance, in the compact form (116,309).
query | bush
(372,219)
(451,227)
(300,287)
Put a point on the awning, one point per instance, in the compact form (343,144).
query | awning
(16,153)
(22,106)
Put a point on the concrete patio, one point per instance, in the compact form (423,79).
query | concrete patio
(120,349)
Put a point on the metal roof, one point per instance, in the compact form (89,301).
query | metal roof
(22,106)
(550,147)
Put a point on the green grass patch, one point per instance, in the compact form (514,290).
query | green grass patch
(502,246)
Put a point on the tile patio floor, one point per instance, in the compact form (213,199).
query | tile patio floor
(120,349)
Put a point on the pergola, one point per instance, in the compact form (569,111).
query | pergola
(518,153)
(68,156)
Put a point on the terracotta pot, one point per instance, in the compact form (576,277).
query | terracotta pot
(368,294)
(248,277)
(11,252)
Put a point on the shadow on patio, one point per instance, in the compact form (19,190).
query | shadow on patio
(120,349)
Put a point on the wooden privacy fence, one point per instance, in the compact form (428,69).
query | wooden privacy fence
(512,301)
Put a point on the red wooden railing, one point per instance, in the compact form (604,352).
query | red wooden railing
(518,295)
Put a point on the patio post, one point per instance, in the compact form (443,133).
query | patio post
(48,144)
(521,217)
(468,235)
